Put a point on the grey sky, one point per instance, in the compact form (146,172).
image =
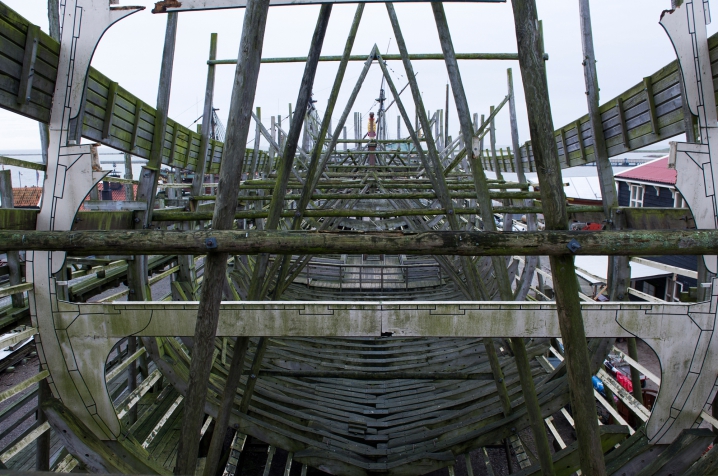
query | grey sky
(630,44)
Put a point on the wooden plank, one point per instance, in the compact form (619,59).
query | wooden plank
(23,385)
(650,99)
(161,423)
(637,408)
(614,413)
(622,120)
(19,288)
(28,438)
(139,105)
(680,454)
(111,103)
(28,65)
(133,398)
(114,373)
(665,267)
(114,205)
(638,366)
(21,163)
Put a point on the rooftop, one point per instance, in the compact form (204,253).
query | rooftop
(654,171)
(24,197)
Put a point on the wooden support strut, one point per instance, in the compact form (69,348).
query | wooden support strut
(246,75)
(651,101)
(622,121)
(287,162)
(460,243)
(315,168)
(206,121)
(13,257)
(111,101)
(432,166)
(28,65)
(499,264)
(618,269)
(533,71)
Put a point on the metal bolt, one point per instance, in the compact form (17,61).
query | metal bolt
(252,376)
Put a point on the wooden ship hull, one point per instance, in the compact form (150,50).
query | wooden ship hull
(365,309)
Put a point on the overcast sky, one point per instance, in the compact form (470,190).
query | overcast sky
(629,42)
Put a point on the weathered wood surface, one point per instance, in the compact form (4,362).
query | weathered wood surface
(566,285)
(545,243)
(132,121)
(244,88)
(355,426)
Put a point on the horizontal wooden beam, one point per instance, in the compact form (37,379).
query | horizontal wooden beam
(545,243)
(179,215)
(18,288)
(12,339)
(383,196)
(362,58)
(21,163)
(391,375)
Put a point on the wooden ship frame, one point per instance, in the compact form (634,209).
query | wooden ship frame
(350,301)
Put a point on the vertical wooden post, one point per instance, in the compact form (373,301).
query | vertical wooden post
(225,408)
(635,374)
(605,172)
(446,118)
(287,162)
(432,166)
(132,377)
(42,444)
(129,188)
(533,71)
(206,124)
(246,75)
(53,17)
(619,271)
(484,200)
(255,148)
(147,189)
(492,144)
(13,257)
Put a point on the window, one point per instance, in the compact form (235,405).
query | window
(649,289)
(636,196)
(680,201)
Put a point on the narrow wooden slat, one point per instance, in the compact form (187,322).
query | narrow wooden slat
(23,385)
(137,394)
(121,368)
(622,120)
(28,64)
(161,423)
(24,442)
(636,407)
(650,99)
(12,339)
(579,139)
(21,163)
(139,105)
(111,103)
(19,288)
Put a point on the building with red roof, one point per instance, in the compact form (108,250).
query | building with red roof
(653,184)
(26,197)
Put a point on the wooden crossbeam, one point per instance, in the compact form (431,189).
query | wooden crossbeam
(460,243)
